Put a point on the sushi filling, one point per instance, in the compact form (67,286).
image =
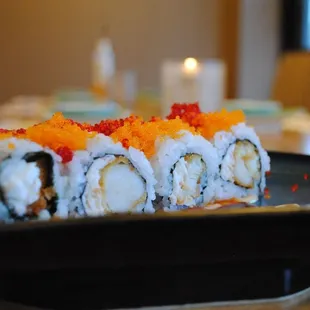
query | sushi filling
(113,186)
(189,179)
(26,185)
(241,165)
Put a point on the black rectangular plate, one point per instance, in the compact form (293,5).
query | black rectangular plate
(131,261)
(288,170)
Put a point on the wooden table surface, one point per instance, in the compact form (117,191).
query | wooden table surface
(299,301)
(287,142)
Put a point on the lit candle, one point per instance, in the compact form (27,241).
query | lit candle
(190,67)
(192,81)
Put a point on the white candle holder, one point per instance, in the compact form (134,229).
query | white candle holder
(193,81)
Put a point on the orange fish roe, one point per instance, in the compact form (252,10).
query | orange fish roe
(4,134)
(59,132)
(210,123)
(206,123)
(142,135)
(11,146)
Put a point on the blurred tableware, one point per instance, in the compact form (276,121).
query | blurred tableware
(73,94)
(25,107)
(264,116)
(16,123)
(103,65)
(298,122)
(82,106)
(23,111)
(147,104)
(254,107)
(124,88)
(270,117)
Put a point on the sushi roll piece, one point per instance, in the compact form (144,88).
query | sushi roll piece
(108,178)
(31,182)
(244,163)
(185,169)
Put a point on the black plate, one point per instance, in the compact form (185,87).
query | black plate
(287,171)
(130,261)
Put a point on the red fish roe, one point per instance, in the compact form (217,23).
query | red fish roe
(86,127)
(18,132)
(2,130)
(185,111)
(294,188)
(21,131)
(306,176)
(107,127)
(267,193)
(125,143)
(65,153)
(72,122)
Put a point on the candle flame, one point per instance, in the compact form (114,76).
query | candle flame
(190,64)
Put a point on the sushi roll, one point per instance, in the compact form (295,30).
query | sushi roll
(31,182)
(244,163)
(185,169)
(108,178)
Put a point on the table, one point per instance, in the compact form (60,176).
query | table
(290,142)
(299,301)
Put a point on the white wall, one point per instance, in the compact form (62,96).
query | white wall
(258,47)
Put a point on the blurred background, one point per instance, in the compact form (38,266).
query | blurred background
(93,59)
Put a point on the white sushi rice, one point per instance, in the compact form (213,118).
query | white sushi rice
(225,145)
(125,183)
(20,181)
(173,174)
